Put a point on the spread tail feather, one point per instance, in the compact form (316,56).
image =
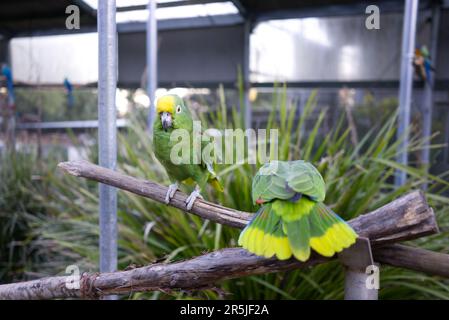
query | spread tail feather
(320,229)
(329,234)
(264,235)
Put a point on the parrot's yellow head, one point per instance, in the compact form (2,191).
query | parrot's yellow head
(165,104)
(172,112)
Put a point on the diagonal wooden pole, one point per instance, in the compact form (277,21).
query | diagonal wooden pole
(387,228)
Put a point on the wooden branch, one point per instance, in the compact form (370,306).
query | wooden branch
(406,218)
(152,190)
(197,273)
(202,272)
(434,263)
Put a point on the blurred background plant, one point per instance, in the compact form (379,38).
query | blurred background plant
(44,104)
(49,220)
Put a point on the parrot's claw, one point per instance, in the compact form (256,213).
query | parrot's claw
(192,197)
(171,192)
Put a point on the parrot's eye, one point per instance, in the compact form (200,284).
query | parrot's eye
(178,109)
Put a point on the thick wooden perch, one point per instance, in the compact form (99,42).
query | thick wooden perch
(406,218)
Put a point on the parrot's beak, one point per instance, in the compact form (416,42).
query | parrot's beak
(260,201)
(166,120)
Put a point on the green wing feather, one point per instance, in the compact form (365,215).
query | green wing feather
(213,179)
(269,183)
(304,178)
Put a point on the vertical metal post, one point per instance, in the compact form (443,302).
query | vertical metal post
(355,286)
(151,59)
(361,275)
(107,82)
(246,80)
(428,90)
(446,140)
(406,85)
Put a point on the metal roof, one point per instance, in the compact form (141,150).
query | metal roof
(24,16)
(29,17)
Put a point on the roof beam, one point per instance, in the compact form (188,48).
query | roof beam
(186,23)
(242,10)
(357,8)
(167,5)
(86,8)
(169,24)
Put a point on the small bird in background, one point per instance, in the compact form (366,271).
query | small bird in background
(69,90)
(293,218)
(6,73)
(172,114)
(423,64)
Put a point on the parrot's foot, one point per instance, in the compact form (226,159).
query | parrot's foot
(171,192)
(192,197)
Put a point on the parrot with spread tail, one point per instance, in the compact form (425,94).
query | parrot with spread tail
(293,219)
(172,114)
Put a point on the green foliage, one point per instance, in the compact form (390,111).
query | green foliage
(51,104)
(16,206)
(358,179)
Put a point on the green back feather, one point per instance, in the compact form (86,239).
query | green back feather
(283,179)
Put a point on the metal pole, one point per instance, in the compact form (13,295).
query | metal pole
(362,274)
(356,286)
(428,91)
(151,39)
(246,80)
(406,83)
(107,82)
(446,140)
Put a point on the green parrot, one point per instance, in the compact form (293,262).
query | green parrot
(172,114)
(293,218)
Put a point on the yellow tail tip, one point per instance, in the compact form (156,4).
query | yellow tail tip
(338,237)
(266,245)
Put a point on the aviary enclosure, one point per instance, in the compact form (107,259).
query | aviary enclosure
(323,150)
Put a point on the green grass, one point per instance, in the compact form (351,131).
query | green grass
(16,207)
(359,179)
